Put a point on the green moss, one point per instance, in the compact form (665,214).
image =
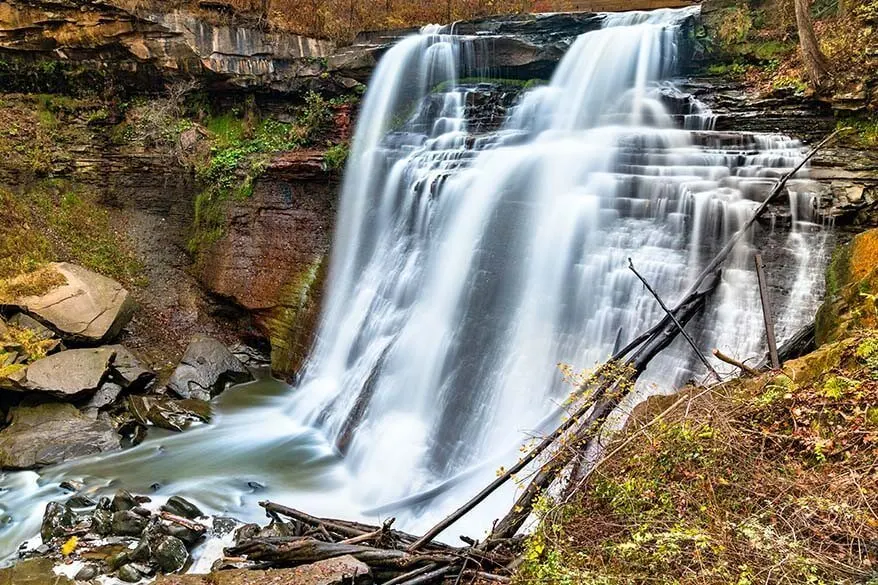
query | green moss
(861,131)
(241,147)
(336,156)
(292,324)
(59,220)
(838,386)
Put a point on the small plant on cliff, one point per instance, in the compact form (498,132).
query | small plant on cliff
(336,156)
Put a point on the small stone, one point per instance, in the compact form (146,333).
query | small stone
(104,503)
(71,485)
(102,522)
(57,519)
(129,574)
(81,501)
(117,560)
(127,523)
(222,525)
(144,569)
(141,511)
(170,553)
(182,507)
(86,573)
(123,500)
(255,486)
(155,486)
(140,552)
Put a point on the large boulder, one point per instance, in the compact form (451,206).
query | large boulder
(851,290)
(206,369)
(344,570)
(52,433)
(71,373)
(87,308)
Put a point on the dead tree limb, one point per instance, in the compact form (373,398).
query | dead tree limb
(345,531)
(680,327)
(733,362)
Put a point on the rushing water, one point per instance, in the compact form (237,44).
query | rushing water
(467,264)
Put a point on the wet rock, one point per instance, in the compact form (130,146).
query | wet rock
(143,569)
(70,373)
(37,571)
(88,307)
(344,570)
(102,522)
(170,553)
(57,520)
(141,552)
(129,574)
(174,415)
(122,500)
(116,560)
(128,523)
(223,525)
(128,371)
(51,433)
(246,532)
(71,485)
(81,501)
(206,369)
(87,573)
(182,507)
(190,537)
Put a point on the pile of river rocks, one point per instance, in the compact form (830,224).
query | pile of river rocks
(83,394)
(131,539)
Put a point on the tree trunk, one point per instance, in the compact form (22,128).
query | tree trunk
(815,62)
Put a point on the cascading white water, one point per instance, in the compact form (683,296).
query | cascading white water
(466,267)
(467,264)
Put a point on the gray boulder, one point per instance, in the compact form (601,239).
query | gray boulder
(70,373)
(52,433)
(129,372)
(88,307)
(206,369)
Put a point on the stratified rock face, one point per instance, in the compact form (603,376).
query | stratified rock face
(245,53)
(273,253)
(52,433)
(147,52)
(206,369)
(89,307)
(345,570)
(70,373)
(851,290)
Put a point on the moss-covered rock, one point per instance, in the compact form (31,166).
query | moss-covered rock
(851,290)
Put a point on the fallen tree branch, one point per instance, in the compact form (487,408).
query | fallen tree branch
(733,362)
(674,320)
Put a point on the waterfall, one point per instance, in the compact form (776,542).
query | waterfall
(479,244)
(468,264)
